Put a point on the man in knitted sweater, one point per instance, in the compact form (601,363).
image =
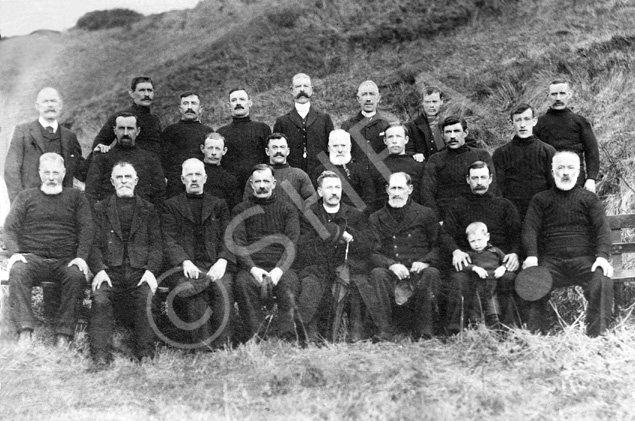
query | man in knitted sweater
(246,140)
(48,234)
(426,138)
(567,131)
(263,234)
(523,166)
(444,174)
(566,231)
(182,140)
(292,184)
(142,94)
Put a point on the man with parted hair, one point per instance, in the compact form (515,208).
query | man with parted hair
(48,234)
(31,140)
(182,140)
(126,258)
(142,94)
(523,166)
(220,182)
(306,128)
(566,231)
(194,225)
(567,131)
(367,126)
(264,235)
(246,140)
(426,137)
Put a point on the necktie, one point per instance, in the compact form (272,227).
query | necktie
(50,129)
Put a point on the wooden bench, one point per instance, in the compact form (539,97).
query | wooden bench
(621,243)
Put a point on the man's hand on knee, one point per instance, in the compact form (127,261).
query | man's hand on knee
(417,267)
(217,270)
(99,279)
(530,261)
(16,257)
(601,262)
(511,262)
(460,259)
(275,275)
(149,278)
(81,265)
(400,271)
(258,274)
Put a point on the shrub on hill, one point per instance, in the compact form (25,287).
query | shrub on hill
(105,19)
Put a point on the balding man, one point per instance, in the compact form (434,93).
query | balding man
(306,128)
(48,234)
(31,140)
(367,126)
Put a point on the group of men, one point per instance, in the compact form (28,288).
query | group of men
(375,212)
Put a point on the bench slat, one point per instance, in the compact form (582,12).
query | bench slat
(626,220)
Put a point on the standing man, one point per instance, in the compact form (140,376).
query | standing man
(142,94)
(264,235)
(48,234)
(182,141)
(426,138)
(367,126)
(220,183)
(126,258)
(194,226)
(567,232)
(151,186)
(405,261)
(567,131)
(306,128)
(444,174)
(44,135)
(246,140)
(523,166)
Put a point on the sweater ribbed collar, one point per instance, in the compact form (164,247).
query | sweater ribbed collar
(458,151)
(140,109)
(245,119)
(558,112)
(189,121)
(263,201)
(526,141)
(279,166)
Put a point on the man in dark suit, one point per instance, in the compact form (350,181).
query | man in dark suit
(126,257)
(31,140)
(426,138)
(306,128)
(194,224)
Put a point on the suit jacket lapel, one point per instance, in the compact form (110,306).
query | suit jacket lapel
(140,214)
(311,116)
(36,135)
(184,208)
(295,117)
(111,213)
(208,207)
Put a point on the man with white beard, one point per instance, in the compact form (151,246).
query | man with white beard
(566,231)
(356,181)
(405,257)
(48,234)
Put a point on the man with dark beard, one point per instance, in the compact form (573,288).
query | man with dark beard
(405,258)
(566,231)
(48,234)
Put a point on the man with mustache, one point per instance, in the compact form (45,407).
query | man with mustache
(357,186)
(263,235)
(194,225)
(290,181)
(566,231)
(503,223)
(245,139)
(182,141)
(405,260)
(567,131)
(326,232)
(306,128)
(48,234)
(426,138)
(523,166)
(367,126)
(142,94)
(444,173)
(126,258)
(31,140)
(151,186)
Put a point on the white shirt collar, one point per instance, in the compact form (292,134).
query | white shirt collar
(302,109)
(46,124)
(368,115)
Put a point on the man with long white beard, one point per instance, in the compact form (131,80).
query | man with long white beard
(405,258)
(48,234)
(567,232)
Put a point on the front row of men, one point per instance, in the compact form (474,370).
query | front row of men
(391,264)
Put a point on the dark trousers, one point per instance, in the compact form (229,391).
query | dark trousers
(126,302)
(22,278)
(203,313)
(250,305)
(416,315)
(598,291)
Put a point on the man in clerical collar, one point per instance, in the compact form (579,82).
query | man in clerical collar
(306,128)
(220,182)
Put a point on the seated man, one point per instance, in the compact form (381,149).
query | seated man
(48,234)
(328,229)
(126,257)
(194,225)
(567,232)
(265,231)
(405,255)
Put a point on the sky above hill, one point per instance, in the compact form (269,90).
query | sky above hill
(21,17)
